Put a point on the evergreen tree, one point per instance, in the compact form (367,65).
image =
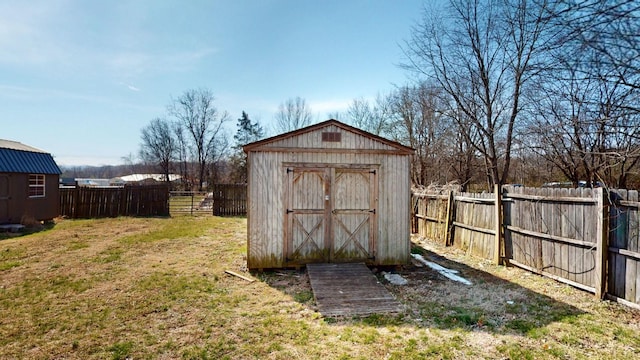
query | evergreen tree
(247,132)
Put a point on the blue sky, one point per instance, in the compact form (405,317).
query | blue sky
(80,78)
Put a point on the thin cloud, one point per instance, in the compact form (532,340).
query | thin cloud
(44,35)
(20,93)
(25,33)
(25,93)
(138,63)
(129,86)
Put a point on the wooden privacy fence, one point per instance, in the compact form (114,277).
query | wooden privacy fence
(465,220)
(584,237)
(230,199)
(134,200)
(623,246)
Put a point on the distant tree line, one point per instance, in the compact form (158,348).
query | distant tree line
(505,91)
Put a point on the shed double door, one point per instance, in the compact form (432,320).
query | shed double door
(331,214)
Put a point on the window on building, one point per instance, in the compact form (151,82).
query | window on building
(36,185)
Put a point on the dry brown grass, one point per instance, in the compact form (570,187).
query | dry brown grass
(156,288)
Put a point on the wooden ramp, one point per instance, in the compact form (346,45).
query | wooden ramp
(349,289)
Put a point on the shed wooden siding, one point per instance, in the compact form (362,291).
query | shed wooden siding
(18,207)
(267,179)
(313,140)
(17,162)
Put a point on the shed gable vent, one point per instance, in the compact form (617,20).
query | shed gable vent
(332,136)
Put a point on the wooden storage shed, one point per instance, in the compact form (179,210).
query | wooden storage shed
(29,184)
(327,193)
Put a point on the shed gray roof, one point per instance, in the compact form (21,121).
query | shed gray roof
(16,157)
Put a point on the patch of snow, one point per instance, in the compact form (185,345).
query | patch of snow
(395,279)
(450,274)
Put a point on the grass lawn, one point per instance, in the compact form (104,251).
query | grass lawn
(156,289)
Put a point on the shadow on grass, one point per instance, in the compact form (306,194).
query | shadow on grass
(491,304)
(27,230)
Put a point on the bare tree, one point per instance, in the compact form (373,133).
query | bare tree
(130,161)
(182,155)
(360,113)
(293,114)
(609,30)
(587,112)
(458,147)
(374,118)
(196,112)
(336,115)
(217,157)
(158,145)
(421,123)
(587,126)
(482,55)
(557,125)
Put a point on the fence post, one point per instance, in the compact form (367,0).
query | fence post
(449,220)
(497,245)
(414,227)
(602,243)
(74,202)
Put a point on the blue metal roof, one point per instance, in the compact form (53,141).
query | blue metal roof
(19,161)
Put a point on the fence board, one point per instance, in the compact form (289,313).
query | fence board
(474,224)
(631,263)
(623,252)
(230,200)
(136,200)
(432,220)
(559,233)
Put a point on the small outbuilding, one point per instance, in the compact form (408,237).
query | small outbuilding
(29,184)
(327,193)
